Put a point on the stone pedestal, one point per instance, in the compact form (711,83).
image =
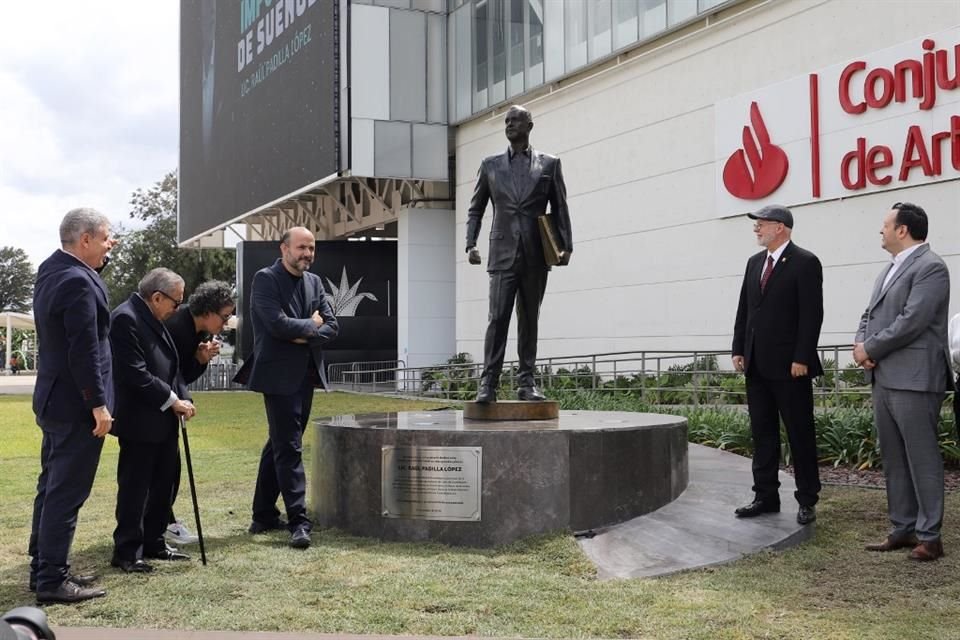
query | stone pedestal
(583,470)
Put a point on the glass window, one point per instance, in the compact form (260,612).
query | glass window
(516,38)
(574,33)
(498,33)
(653,17)
(553,39)
(705,5)
(534,35)
(462,47)
(626,23)
(481,58)
(598,17)
(680,11)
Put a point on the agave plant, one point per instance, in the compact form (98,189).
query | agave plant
(345,299)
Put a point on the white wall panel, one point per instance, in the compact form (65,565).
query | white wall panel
(370,62)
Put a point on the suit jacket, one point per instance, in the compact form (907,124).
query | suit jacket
(186,339)
(780,325)
(72,317)
(904,328)
(278,364)
(147,370)
(517,207)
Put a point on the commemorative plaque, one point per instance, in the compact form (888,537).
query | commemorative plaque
(431,483)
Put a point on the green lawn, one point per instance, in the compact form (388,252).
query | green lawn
(543,587)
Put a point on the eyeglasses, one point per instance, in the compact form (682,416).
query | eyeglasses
(762,223)
(225,317)
(176,303)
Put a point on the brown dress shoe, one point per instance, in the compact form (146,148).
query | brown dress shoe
(892,543)
(927,550)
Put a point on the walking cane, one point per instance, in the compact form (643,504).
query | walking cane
(193,488)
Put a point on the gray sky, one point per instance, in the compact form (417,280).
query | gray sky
(88,111)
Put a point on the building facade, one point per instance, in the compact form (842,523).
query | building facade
(645,135)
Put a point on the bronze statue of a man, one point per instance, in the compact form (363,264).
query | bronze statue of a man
(520,181)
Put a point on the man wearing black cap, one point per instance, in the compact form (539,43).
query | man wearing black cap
(775,343)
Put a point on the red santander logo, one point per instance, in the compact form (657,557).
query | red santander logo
(760,167)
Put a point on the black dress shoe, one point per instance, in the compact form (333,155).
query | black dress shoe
(530,394)
(80,581)
(806,515)
(756,508)
(263,527)
(300,538)
(167,553)
(486,394)
(69,592)
(131,566)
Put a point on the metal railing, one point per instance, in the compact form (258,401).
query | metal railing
(365,376)
(656,377)
(217,377)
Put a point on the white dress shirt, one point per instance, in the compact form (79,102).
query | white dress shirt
(776,258)
(897,261)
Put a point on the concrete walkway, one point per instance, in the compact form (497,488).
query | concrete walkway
(22,383)
(698,529)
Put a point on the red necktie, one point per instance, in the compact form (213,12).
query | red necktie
(766,273)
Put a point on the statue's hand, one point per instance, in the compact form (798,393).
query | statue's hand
(474,256)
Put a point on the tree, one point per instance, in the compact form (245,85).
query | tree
(155,245)
(16,280)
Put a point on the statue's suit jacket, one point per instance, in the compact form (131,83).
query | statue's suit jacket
(904,328)
(517,207)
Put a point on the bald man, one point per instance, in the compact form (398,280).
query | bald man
(292,321)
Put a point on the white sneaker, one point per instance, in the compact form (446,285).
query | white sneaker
(177,533)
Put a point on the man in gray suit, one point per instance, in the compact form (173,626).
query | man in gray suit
(520,181)
(902,344)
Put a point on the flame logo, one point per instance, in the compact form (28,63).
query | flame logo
(755,172)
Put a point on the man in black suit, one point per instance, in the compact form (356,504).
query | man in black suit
(520,181)
(292,320)
(72,399)
(775,342)
(150,397)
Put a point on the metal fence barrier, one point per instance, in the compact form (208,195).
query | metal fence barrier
(657,377)
(217,377)
(373,375)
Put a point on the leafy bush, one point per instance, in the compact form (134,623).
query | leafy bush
(845,436)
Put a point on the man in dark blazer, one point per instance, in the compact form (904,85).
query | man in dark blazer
(775,343)
(902,344)
(193,327)
(520,181)
(150,397)
(292,320)
(72,399)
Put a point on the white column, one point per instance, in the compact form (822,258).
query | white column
(426,288)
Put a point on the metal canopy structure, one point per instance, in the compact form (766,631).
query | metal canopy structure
(348,206)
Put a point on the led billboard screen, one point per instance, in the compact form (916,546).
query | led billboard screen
(258,97)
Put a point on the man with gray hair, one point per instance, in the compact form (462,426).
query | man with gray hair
(151,396)
(72,399)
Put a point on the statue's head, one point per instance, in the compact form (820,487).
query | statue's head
(517,124)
